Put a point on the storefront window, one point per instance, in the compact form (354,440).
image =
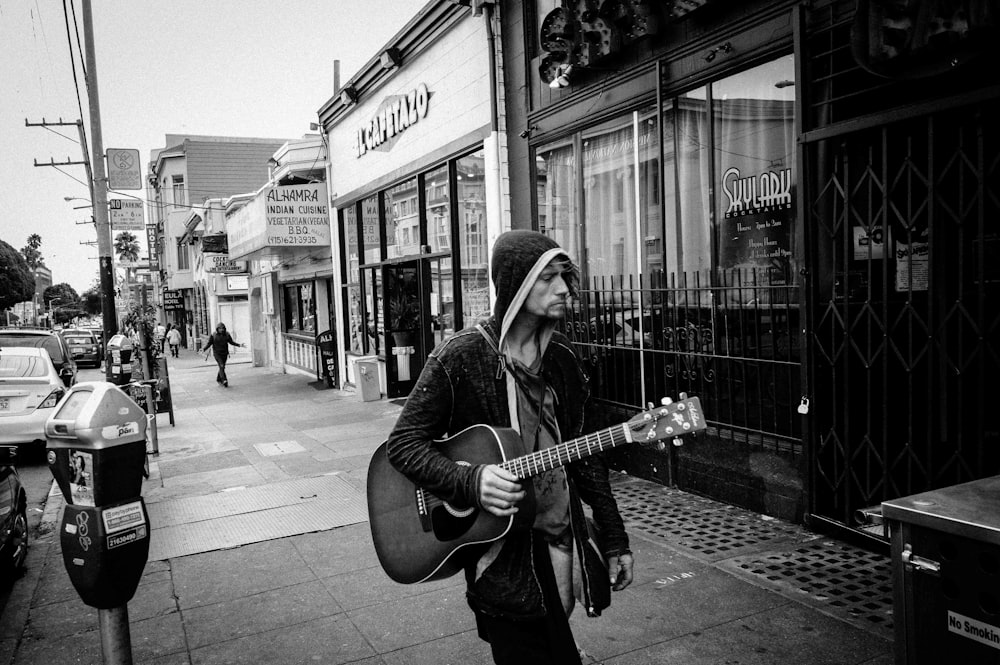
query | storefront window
(555,168)
(299,313)
(351,242)
(402,220)
(472,237)
(753,114)
(641,219)
(370,229)
(689,145)
(438,212)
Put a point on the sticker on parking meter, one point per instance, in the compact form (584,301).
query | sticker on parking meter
(80,492)
(118,431)
(123,517)
(126,537)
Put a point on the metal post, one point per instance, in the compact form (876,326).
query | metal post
(116,642)
(99,186)
(154,438)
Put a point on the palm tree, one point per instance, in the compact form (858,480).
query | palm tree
(127,247)
(31,253)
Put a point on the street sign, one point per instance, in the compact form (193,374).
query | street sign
(124,169)
(126,215)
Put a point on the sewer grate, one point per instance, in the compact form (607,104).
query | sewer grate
(702,525)
(837,576)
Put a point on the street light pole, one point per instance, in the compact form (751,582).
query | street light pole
(99,186)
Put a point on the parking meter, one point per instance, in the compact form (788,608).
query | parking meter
(96,451)
(118,360)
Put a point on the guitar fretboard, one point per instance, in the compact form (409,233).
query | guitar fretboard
(564,453)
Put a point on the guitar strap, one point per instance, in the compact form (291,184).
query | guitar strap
(511,386)
(501,361)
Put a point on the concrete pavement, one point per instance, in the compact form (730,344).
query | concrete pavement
(260,553)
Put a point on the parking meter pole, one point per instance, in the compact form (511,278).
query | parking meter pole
(154,439)
(116,641)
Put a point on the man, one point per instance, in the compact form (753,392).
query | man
(517,371)
(174,340)
(219,344)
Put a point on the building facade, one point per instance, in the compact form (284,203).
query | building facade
(183,176)
(418,166)
(785,208)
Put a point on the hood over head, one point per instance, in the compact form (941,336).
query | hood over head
(518,259)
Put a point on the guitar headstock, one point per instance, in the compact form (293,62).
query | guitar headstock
(670,420)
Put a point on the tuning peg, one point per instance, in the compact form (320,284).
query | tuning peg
(661,446)
(678,442)
(650,406)
(682,396)
(666,401)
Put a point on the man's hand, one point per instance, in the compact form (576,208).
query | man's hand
(499,491)
(620,570)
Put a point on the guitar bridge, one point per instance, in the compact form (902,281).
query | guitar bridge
(423,512)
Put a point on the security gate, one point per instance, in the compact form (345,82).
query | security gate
(902,224)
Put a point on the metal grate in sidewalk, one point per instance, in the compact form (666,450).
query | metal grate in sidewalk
(846,581)
(707,528)
(835,576)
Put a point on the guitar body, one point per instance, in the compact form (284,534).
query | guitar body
(420,541)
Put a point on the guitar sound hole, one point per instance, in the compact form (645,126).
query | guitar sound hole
(448,526)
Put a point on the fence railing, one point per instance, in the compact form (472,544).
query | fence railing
(730,338)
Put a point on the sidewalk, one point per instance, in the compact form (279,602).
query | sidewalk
(260,553)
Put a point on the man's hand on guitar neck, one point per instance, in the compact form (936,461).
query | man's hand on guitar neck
(499,491)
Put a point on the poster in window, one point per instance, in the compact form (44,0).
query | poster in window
(756,222)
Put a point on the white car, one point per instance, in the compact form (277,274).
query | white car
(30,388)
(621,329)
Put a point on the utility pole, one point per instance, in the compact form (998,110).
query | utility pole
(99,185)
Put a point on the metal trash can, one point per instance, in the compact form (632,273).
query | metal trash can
(946,574)
(367,380)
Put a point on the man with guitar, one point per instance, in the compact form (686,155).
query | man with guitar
(515,371)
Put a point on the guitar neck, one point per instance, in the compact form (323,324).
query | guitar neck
(570,451)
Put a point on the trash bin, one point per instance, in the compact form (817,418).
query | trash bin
(946,574)
(367,378)
(118,360)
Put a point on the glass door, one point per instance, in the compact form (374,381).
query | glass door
(406,290)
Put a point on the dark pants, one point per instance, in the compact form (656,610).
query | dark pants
(546,641)
(220,360)
(174,348)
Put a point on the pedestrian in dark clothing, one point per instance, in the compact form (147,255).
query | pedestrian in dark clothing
(517,371)
(219,343)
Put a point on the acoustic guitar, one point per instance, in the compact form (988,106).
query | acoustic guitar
(418,537)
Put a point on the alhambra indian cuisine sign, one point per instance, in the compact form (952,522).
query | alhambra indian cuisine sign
(394,115)
(290,216)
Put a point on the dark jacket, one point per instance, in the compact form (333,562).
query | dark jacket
(220,344)
(462,384)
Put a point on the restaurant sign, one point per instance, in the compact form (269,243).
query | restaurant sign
(394,115)
(290,216)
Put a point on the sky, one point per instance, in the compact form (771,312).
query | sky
(252,68)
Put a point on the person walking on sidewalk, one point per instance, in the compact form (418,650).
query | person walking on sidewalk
(219,342)
(174,340)
(515,370)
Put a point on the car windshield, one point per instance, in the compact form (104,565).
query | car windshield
(79,338)
(17,366)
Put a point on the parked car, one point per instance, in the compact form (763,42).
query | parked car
(13,518)
(83,346)
(621,329)
(30,388)
(48,340)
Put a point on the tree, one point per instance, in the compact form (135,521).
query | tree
(127,247)
(17,281)
(63,302)
(92,303)
(32,253)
